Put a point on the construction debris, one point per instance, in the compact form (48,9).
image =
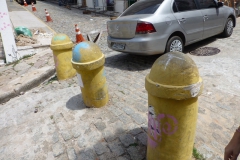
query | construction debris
(23,40)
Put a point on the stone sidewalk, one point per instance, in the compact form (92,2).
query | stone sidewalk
(52,122)
(22,75)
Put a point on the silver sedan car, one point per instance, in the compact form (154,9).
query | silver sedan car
(156,26)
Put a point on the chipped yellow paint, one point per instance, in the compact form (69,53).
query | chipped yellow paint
(173,86)
(62,53)
(89,61)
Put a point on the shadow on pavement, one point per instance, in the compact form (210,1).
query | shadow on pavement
(75,103)
(130,62)
(200,44)
(128,145)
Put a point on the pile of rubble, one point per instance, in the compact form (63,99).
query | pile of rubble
(23,40)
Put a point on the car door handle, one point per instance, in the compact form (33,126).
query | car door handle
(183,20)
(205,17)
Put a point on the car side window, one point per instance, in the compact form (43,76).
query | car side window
(185,5)
(207,4)
(174,7)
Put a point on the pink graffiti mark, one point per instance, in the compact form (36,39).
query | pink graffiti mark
(156,127)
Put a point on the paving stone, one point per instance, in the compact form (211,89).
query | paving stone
(127,139)
(125,118)
(115,110)
(223,106)
(215,126)
(71,154)
(108,156)
(82,141)
(128,111)
(108,135)
(58,149)
(66,135)
(62,157)
(111,117)
(125,157)
(76,133)
(134,129)
(141,107)
(142,137)
(201,110)
(217,136)
(94,136)
(100,125)
(116,148)
(134,153)
(55,137)
(80,129)
(100,148)
(120,105)
(138,118)
(87,154)
(119,127)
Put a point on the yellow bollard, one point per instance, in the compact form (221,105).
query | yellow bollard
(89,61)
(173,86)
(62,53)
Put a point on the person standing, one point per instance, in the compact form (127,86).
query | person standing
(232,150)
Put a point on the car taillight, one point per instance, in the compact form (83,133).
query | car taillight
(144,27)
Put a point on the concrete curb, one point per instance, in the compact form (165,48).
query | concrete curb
(45,73)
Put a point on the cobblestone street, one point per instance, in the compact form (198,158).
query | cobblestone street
(63,128)
(64,21)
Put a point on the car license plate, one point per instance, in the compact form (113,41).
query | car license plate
(118,46)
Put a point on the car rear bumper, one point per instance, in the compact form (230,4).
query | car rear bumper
(148,45)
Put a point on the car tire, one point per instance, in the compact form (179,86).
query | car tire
(228,29)
(174,43)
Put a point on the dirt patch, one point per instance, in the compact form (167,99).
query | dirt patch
(22,40)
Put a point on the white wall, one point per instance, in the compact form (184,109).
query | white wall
(120,5)
(101,3)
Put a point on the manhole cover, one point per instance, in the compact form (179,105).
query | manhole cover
(205,51)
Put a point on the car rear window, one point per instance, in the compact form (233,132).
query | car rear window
(143,7)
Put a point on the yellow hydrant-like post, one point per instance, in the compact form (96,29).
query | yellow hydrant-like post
(89,61)
(62,53)
(173,86)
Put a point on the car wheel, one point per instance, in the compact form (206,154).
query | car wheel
(228,29)
(175,43)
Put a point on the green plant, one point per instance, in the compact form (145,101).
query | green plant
(17,61)
(122,92)
(197,155)
(54,78)
(134,144)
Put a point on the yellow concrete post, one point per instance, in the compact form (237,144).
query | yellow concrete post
(62,53)
(173,86)
(89,61)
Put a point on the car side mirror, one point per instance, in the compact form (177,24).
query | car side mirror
(219,4)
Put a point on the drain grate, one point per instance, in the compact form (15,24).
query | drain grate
(205,51)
